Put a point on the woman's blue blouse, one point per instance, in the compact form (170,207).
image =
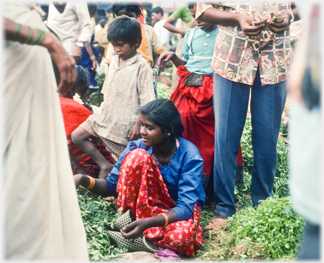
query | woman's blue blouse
(182,177)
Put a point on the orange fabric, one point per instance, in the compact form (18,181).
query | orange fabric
(141,188)
(144,48)
(158,51)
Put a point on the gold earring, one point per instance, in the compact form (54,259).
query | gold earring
(169,134)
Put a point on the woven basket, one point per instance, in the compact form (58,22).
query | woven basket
(124,220)
(138,244)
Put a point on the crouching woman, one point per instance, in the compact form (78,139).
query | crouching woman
(158,177)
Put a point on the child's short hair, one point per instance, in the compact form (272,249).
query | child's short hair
(103,21)
(125,29)
(133,7)
(157,10)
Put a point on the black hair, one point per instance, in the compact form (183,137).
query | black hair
(82,82)
(103,21)
(132,7)
(191,5)
(125,29)
(108,9)
(164,114)
(157,10)
(101,49)
(92,8)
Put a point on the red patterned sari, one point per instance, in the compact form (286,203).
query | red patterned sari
(141,188)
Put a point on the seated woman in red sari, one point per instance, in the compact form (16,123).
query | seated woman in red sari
(158,177)
(74,113)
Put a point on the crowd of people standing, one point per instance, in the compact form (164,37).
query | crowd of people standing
(170,155)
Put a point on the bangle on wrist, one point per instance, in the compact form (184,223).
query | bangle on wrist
(30,35)
(92,182)
(16,32)
(37,38)
(92,57)
(166,219)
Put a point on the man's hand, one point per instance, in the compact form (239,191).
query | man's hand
(77,54)
(246,24)
(94,64)
(134,133)
(279,27)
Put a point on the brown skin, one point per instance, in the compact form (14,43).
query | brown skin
(61,58)
(89,50)
(163,148)
(81,138)
(213,15)
(170,20)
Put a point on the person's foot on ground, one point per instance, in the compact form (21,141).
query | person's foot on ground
(215,223)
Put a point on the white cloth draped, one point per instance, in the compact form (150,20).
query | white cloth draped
(42,219)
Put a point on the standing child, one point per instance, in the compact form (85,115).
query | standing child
(128,87)
(193,95)
(151,46)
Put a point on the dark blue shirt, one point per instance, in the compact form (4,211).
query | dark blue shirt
(182,177)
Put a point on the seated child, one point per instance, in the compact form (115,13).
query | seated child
(128,86)
(193,94)
(74,113)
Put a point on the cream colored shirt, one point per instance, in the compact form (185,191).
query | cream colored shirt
(126,89)
(72,25)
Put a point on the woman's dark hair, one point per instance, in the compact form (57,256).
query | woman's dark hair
(125,29)
(82,82)
(132,7)
(164,114)
(108,9)
(92,8)
(191,5)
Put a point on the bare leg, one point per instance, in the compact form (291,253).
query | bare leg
(81,138)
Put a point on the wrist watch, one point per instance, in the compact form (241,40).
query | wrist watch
(80,44)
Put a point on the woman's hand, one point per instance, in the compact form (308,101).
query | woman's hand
(77,179)
(63,61)
(165,57)
(135,229)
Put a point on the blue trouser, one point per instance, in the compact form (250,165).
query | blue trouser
(230,107)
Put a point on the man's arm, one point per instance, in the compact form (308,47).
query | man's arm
(168,25)
(82,12)
(216,16)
